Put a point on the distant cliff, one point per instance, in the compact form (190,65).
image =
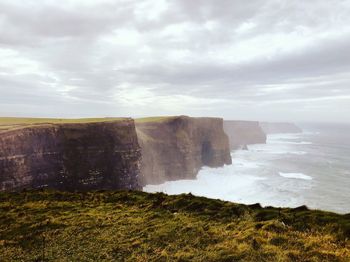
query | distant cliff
(177,147)
(70,156)
(242,133)
(273,128)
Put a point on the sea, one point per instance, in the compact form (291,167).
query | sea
(311,168)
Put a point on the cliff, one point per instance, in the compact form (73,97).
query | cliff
(243,133)
(69,155)
(176,148)
(273,128)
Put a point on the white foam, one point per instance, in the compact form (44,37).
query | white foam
(222,183)
(284,136)
(242,163)
(276,149)
(250,178)
(300,143)
(295,176)
(298,153)
(288,142)
(286,139)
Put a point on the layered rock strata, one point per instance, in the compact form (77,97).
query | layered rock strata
(176,148)
(71,156)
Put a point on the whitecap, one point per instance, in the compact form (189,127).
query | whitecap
(288,152)
(288,142)
(242,163)
(284,136)
(298,153)
(295,176)
(276,149)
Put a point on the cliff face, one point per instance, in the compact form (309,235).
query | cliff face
(177,147)
(242,133)
(82,156)
(273,128)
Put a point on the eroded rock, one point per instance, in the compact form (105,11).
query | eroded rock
(81,156)
(177,147)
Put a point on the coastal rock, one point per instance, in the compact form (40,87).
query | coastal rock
(243,133)
(72,156)
(176,148)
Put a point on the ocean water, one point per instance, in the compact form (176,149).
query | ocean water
(311,168)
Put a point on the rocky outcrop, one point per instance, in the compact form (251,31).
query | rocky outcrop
(177,147)
(243,133)
(71,156)
(274,128)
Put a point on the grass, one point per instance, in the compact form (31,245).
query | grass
(7,123)
(11,123)
(153,119)
(137,226)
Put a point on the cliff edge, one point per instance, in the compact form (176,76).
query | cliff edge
(243,133)
(176,148)
(69,155)
(136,226)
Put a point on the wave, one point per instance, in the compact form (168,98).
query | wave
(287,139)
(229,184)
(299,153)
(295,176)
(299,143)
(225,183)
(284,136)
(242,163)
(311,133)
(275,149)
(288,142)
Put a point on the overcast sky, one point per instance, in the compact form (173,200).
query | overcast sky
(258,59)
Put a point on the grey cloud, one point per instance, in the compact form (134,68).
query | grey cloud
(327,58)
(74,64)
(57,20)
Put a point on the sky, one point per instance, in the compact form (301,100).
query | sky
(273,60)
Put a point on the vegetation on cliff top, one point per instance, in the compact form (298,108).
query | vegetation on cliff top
(9,123)
(136,226)
(154,119)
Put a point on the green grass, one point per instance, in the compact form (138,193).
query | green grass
(17,120)
(154,119)
(10,123)
(7,123)
(136,226)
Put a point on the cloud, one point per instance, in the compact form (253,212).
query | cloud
(229,58)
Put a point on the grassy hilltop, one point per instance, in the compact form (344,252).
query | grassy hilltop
(10,123)
(137,226)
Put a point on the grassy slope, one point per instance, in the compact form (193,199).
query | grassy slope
(7,123)
(137,226)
